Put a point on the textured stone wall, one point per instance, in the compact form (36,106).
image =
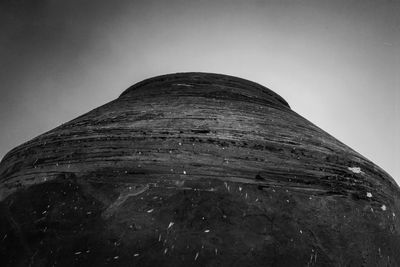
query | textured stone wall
(195,169)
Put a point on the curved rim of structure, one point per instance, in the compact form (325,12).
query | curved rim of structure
(217,79)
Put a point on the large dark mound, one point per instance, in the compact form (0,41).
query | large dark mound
(195,169)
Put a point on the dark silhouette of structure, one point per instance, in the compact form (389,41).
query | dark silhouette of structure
(195,169)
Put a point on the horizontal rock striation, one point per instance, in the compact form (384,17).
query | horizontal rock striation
(195,169)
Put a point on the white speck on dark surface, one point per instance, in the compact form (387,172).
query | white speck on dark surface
(355,169)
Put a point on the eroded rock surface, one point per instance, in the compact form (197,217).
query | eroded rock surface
(195,169)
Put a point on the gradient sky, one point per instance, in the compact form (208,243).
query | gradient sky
(337,63)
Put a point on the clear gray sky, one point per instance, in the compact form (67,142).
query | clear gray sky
(336,62)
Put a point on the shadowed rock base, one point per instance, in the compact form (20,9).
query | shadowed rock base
(195,169)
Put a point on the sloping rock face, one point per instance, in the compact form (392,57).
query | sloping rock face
(195,169)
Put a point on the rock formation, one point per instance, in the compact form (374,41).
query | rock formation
(195,169)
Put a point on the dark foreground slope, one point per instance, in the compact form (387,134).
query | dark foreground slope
(195,169)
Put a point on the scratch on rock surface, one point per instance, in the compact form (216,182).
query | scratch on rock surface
(124,195)
(182,84)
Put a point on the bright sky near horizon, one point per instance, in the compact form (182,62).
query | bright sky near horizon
(335,62)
